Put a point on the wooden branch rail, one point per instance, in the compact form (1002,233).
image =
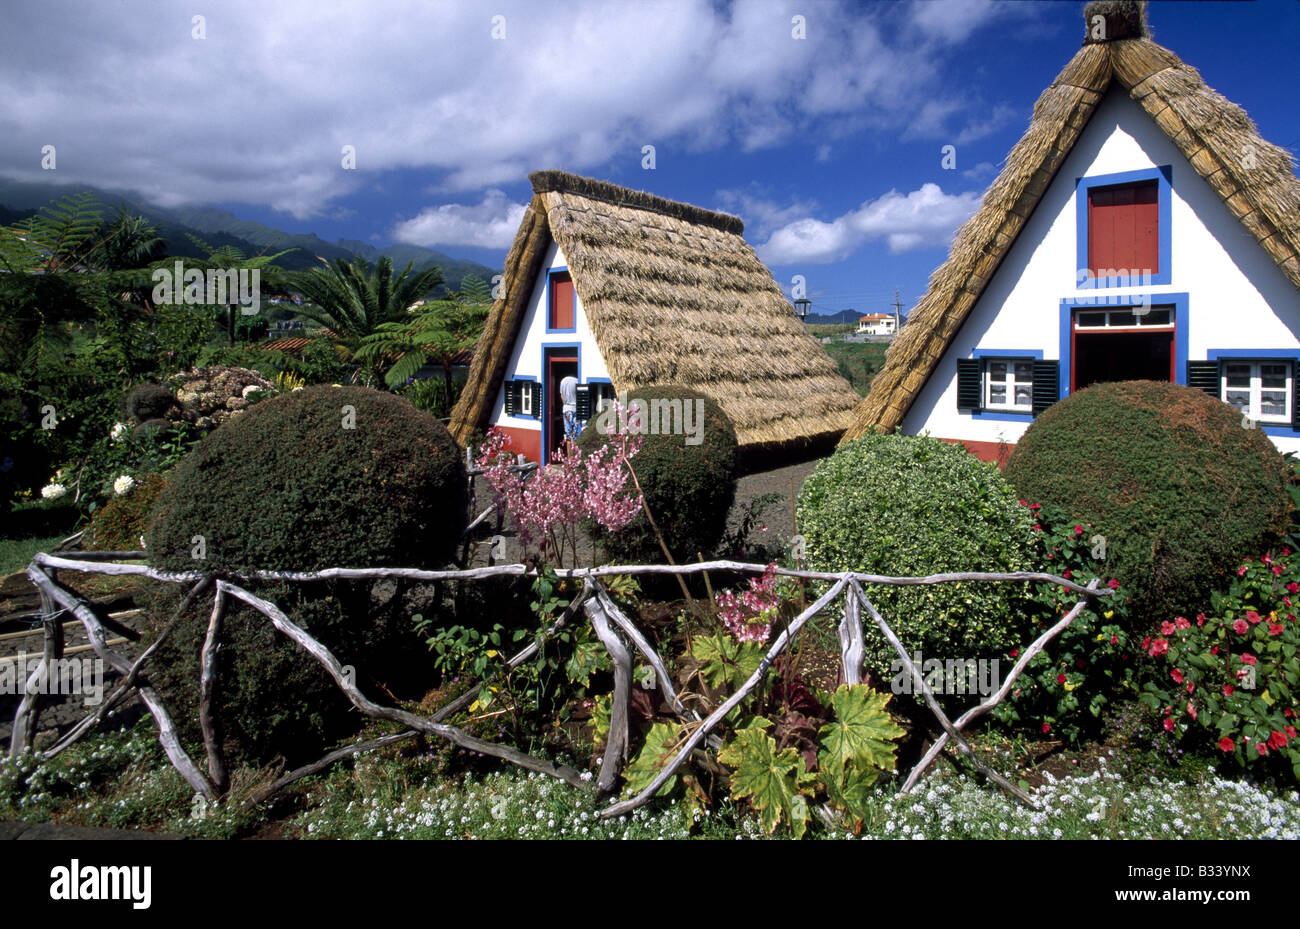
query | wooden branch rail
(608,621)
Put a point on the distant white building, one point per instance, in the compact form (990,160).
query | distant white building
(877,324)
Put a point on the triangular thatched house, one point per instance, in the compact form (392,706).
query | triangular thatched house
(1141,229)
(620,289)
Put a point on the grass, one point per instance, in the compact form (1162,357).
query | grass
(859,362)
(31,527)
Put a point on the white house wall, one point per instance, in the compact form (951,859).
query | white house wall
(526,355)
(1237,297)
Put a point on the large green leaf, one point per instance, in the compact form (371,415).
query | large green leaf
(724,662)
(773,781)
(661,743)
(861,734)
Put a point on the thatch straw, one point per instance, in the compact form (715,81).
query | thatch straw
(1256,180)
(673,294)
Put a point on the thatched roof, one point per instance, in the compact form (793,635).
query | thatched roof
(1213,133)
(673,294)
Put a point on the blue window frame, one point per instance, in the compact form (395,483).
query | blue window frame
(1176,301)
(992,355)
(1164,192)
(1290,357)
(551,275)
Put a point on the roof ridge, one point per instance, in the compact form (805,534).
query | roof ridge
(565,183)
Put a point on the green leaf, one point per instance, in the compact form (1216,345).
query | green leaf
(862,732)
(773,781)
(661,743)
(724,662)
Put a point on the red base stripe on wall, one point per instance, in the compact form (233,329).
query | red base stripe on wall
(996,452)
(526,442)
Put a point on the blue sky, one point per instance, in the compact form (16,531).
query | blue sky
(828,146)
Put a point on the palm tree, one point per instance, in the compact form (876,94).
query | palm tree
(229,258)
(440,332)
(353,302)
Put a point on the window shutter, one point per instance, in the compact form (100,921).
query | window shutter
(584,402)
(1047,390)
(511,396)
(1204,375)
(970,389)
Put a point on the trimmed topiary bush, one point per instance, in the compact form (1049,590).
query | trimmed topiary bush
(315,478)
(1181,491)
(688,475)
(119,525)
(906,505)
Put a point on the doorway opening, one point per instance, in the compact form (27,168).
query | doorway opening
(1120,345)
(560,363)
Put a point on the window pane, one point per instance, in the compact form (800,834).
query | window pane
(1024,395)
(1273,403)
(998,370)
(1273,375)
(1155,318)
(998,394)
(1090,319)
(1122,318)
(1238,398)
(1024,371)
(1238,375)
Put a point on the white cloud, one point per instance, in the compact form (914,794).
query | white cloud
(980,171)
(490,224)
(924,218)
(258,111)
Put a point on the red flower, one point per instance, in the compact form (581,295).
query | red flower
(1290,731)
(1241,572)
(1288,713)
(1293,587)
(1067,575)
(1159,647)
(1169,724)
(1038,527)
(1078,529)
(1015,652)
(1200,619)
(1176,675)
(1191,685)
(1114,640)
(1253,617)
(1277,569)
(1214,650)
(1240,627)
(1035,506)
(1262,749)
(1060,678)
(1191,709)
(1113,584)
(1167,628)
(1182,623)
(1146,643)
(1277,740)
(1227,690)
(1247,658)
(1046,729)
(1225,744)
(1024,503)
(1275,628)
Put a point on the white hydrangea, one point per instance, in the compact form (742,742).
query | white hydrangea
(123,484)
(53,491)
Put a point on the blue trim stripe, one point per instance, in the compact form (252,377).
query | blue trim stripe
(1163,176)
(551,275)
(1003,415)
(1178,301)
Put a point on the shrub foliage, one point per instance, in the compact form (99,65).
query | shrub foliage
(1168,475)
(688,485)
(906,505)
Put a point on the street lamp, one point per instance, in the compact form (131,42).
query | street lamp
(801,307)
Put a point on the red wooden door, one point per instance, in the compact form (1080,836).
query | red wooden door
(1123,228)
(561,303)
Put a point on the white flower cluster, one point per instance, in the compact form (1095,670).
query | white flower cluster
(123,485)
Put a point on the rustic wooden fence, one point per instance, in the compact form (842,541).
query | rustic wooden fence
(617,633)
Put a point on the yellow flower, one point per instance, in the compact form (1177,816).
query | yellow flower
(1100,637)
(1070,686)
(1108,614)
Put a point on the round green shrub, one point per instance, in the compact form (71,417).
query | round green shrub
(1180,490)
(119,525)
(688,478)
(148,401)
(316,478)
(909,506)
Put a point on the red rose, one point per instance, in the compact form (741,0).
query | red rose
(1191,709)
(1247,658)
(1227,690)
(1262,749)
(1113,584)
(1114,640)
(1146,643)
(1277,569)
(1182,623)
(1046,729)
(1290,731)
(1015,652)
(1176,675)
(1253,617)
(1277,740)
(1225,744)
(1078,529)
(1038,527)
(1240,627)
(1191,685)
(1024,503)
(1241,572)
(1035,506)
(1293,587)
(1275,628)
(1159,647)
(1200,619)
(1067,575)
(1169,724)
(1060,678)
(1214,650)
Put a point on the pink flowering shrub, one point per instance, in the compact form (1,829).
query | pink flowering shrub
(548,508)
(748,616)
(1231,679)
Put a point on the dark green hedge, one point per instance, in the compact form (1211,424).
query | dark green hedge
(688,487)
(1168,475)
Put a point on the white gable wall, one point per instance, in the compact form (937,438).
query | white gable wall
(1237,298)
(533,339)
